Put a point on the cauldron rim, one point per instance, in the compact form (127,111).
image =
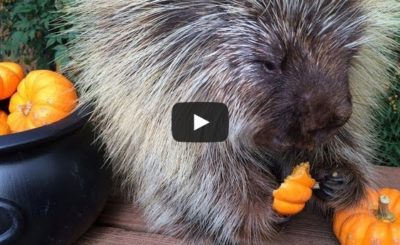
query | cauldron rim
(46,133)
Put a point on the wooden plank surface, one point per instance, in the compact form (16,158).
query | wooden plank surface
(123,223)
(115,236)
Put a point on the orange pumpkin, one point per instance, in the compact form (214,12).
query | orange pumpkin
(4,129)
(42,98)
(294,192)
(16,68)
(375,221)
(10,76)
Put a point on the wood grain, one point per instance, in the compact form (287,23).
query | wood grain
(115,236)
(122,223)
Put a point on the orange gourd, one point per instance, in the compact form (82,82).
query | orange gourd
(11,75)
(375,221)
(42,98)
(4,129)
(294,192)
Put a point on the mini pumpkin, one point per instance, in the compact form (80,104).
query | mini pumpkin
(42,98)
(4,129)
(294,192)
(10,76)
(375,221)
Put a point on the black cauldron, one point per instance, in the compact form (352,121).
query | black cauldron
(53,183)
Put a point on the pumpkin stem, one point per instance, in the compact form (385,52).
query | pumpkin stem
(383,213)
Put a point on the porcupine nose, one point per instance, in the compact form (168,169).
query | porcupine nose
(321,116)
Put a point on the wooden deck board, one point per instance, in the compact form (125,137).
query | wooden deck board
(122,224)
(115,236)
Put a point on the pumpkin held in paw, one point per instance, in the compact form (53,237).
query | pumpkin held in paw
(375,221)
(42,98)
(4,128)
(10,76)
(294,192)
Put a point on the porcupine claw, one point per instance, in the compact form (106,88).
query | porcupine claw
(283,220)
(329,186)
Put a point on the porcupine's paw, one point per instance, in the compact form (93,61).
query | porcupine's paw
(282,220)
(340,188)
(330,185)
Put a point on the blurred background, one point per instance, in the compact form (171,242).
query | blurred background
(29,35)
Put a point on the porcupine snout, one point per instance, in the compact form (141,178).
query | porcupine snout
(321,115)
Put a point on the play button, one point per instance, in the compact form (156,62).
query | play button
(200,122)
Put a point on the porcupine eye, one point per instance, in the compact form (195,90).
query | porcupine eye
(269,66)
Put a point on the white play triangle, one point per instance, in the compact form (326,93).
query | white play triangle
(199,122)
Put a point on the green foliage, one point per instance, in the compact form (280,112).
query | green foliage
(388,126)
(29,33)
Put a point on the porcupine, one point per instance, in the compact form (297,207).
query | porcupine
(300,78)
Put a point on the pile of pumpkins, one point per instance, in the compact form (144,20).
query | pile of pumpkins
(40,98)
(376,220)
